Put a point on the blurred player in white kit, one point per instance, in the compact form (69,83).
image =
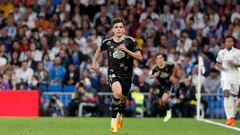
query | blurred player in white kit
(228,61)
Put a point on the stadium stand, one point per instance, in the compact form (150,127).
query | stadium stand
(35,31)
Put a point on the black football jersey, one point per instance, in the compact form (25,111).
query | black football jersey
(164,73)
(120,63)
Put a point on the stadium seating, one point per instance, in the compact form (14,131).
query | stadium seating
(54,88)
(43,87)
(68,88)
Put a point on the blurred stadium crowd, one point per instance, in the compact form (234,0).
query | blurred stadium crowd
(53,42)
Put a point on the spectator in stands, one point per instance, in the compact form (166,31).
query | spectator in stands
(103,18)
(138,99)
(36,54)
(153,99)
(186,102)
(104,67)
(71,76)
(212,83)
(82,95)
(24,45)
(95,37)
(42,74)
(31,62)
(65,36)
(76,55)
(15,59)
(5,39)
(10,77)
(142,85)
(24,76)
(47,62)
(57,72)
(64,57)
(54,107)
(149,14)
(103,85)
(4,85)
(35,83)
(236,14)
(42,22)
(3,52)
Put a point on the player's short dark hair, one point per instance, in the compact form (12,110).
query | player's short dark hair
(118,20)
(234,40)
(163,55)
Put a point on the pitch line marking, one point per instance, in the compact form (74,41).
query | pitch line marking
(219,124)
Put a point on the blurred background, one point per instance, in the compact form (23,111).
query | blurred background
(48,46)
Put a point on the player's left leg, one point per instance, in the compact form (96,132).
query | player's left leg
(117,94)
(122,106)
(233,103)
(238,101)
(165,102)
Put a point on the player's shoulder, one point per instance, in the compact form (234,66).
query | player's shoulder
(221,51)
(107,40)
(130,38)
(170,64)
(237,50)
(155,66)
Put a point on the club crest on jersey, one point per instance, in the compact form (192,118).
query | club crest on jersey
(118,54)
(109,43)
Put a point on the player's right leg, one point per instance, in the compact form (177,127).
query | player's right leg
(227,106)
(233,102)
(117,93)
(230,107)
(164,100)
(226,86)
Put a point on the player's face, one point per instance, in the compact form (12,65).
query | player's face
(229,43)
(118,29)
(159,59)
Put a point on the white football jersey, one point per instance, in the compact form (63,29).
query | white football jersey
(230,73)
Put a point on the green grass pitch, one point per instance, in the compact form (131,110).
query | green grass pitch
(100,126)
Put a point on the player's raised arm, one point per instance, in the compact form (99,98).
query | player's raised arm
(96,58)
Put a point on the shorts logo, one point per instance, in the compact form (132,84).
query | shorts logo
(111,76)
(118,54)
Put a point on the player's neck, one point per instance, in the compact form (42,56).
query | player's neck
(118,39)
(161,65)
(229,49)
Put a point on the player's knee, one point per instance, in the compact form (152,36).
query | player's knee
(165,98)
(226,93)
(117,94)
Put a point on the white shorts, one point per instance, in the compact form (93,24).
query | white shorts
(232,87)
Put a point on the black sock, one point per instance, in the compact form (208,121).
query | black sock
(122,107)
(115,107)
(167,106)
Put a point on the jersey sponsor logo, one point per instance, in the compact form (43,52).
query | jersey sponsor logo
(118,54)
(163,75)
